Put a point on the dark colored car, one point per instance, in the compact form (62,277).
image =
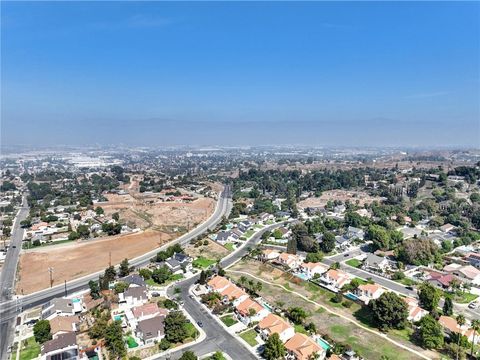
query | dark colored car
(199,323)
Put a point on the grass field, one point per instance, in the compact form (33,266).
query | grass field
(228,320)
(368,345)
(354,263)
(31,351)
(464,298)
(202,262)
(406,281)
(249,336)
(248,234)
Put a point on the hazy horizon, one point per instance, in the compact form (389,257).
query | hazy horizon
(319,74)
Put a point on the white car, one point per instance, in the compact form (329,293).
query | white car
(473,305)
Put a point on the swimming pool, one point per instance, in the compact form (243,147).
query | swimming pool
(351,296)
(323,343)
(302,276)
(117,317)
(75,300)
(268,307)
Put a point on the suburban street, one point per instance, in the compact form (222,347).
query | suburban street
(387,283)
(10,307)
(217,337)
(7,276)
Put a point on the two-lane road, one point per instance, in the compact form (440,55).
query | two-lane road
(9,308)
(7,277)
(217,337)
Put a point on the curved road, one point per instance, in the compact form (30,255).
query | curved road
(10,308)
(217,337)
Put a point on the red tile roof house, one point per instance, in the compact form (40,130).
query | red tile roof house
(335,278)
(301,347)
(441,280)
(451,326)
(311,269)
(269,254)
(369,292)
(228,290)
(250,311)
(289,260)
(415,312)
(274,324)
(468,273)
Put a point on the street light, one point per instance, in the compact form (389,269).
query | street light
(50,270)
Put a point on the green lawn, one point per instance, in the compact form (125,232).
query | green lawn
(202,262)
(249,233)
(191,331)
(172,278)
(407,282)
(31,351)
(229,246)
(228,320)
(354,263)
(464,298)
(300,329)
(249,336)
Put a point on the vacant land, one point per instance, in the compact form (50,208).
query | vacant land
(354,197)
(79,259)
(367,344)
(211,250)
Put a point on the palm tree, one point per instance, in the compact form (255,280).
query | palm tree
(243,279)
(475,326)
(460,322)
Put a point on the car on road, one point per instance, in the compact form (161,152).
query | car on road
(473,305)
(346,255)
(410,288)
(199,323)
(14,246)
(155,294)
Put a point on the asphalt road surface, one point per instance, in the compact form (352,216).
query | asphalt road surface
(389,284)
(217,339)
(9,308)
(7,276)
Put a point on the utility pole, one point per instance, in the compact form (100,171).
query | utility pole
(110,259)
(65,288)
(50,270)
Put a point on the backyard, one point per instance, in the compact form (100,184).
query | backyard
(366,343)
(202,262)
(30,349)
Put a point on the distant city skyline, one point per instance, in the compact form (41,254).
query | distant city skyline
(223,73)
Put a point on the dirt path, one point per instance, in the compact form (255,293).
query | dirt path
(356,323)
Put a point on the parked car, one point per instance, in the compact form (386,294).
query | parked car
(473,305)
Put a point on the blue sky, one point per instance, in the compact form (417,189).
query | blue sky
(313,73)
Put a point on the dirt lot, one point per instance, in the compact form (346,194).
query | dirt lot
(79,259)
(367,344)
(342,195)
(211,251)
(143,214)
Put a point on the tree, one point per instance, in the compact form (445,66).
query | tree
(429,296)
(41,331)
(161,275)
(274,348)
(124,269)
(475,326)
(217,356)
(99,211)
(418,251)
(296,314)
(314,257)
(292,246)
(120,287)
(83,231)
(73,236)
(174,324)
(94,289)
(203,278)
(448,306)
(188,355)
(328,242)
(460,321)
(379,235)
(114,340)
(430,333)
(116,216)
(145,273)
(389,311)
(453,351)
(110,274)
